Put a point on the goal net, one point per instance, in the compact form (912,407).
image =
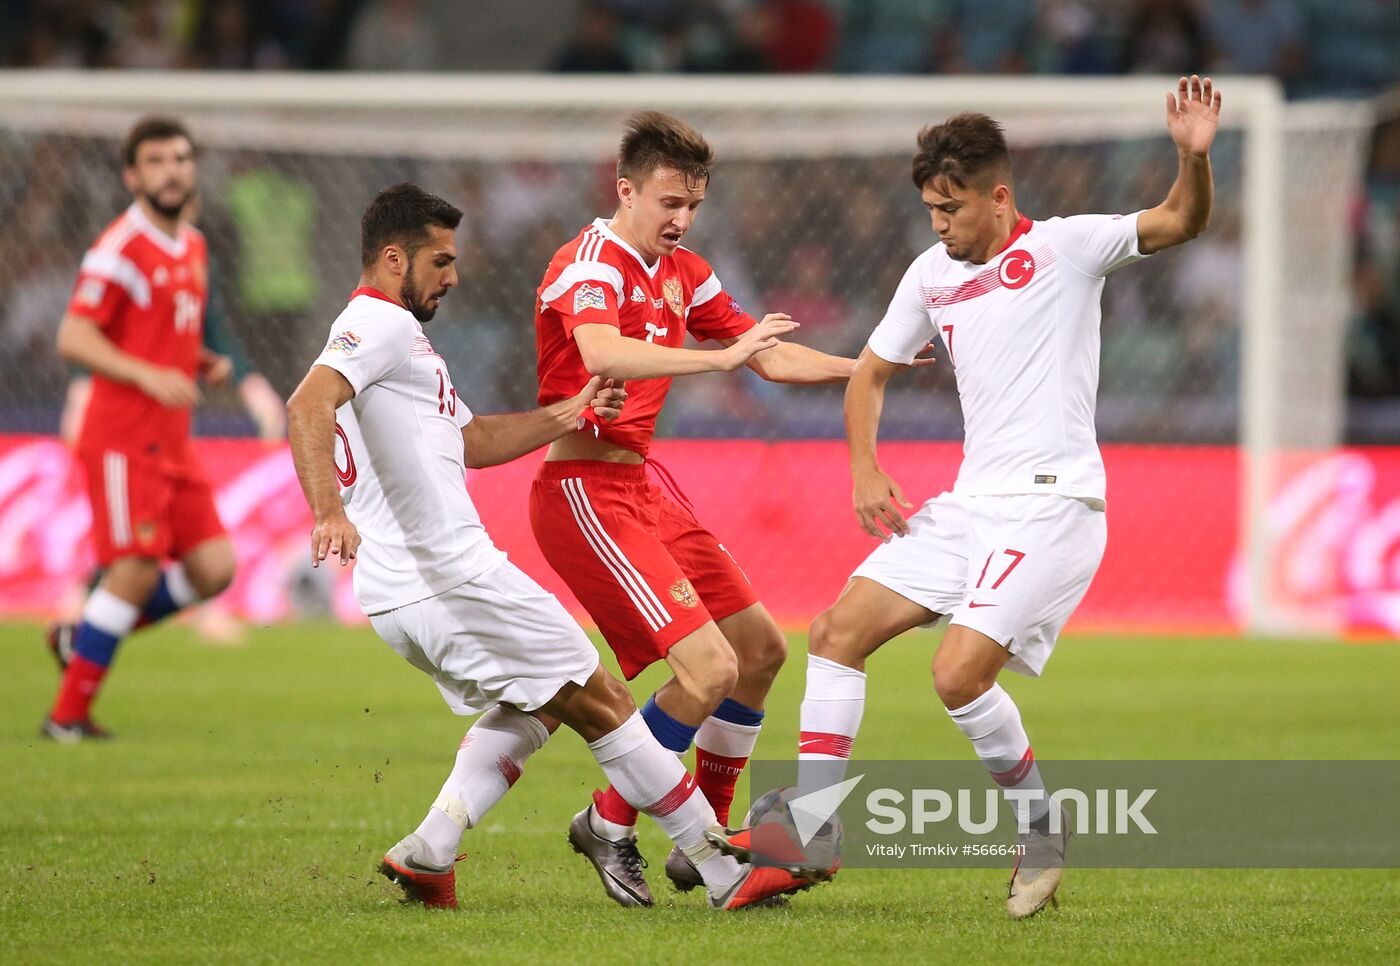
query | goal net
(1221,361)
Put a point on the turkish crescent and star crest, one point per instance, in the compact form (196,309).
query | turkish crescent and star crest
(675,298)
(1016,269)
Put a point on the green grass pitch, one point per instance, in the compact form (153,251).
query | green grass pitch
(242,810)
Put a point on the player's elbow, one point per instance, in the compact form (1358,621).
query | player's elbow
(67,341)
(474,455)
(301,404)
(1188,225)
(1197,226)
(478,446)
(1176,227)
(599,362)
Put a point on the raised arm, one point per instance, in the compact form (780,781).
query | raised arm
(874,494)
(311,431)
(81,341)
(1193,115)
(608,353)
(493,440)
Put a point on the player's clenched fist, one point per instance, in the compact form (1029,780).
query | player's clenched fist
(875,496)
(335,535)
(604,396)
(765,335)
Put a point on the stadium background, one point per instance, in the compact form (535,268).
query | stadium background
(822,233)
(239,814)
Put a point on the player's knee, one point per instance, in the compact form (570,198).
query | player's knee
(958,685)
(764,656)
(212,583)
(594,710)
(613,704)
(713,684)
(212,574)
(132,578)
(834,638)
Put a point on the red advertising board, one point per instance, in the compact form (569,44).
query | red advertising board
(783,510)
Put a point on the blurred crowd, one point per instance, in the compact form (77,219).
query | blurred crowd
(282,227)
(1317,47)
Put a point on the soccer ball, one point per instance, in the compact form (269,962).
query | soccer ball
(778,837)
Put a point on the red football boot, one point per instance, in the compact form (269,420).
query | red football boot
(434,886)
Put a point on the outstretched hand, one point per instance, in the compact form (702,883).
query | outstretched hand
(765,335)
(1193,114)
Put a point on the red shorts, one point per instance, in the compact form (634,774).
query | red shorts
(146,507)
(642,566)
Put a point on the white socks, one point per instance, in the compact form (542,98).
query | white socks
(654,781)
(830,717)
(993,724)
(489,761)
(110,614)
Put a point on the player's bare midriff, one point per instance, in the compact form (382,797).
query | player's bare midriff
(583,445)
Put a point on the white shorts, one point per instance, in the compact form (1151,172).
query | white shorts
(501,638)
(1011,567)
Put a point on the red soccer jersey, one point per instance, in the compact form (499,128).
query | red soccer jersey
(599,278)
(146,291)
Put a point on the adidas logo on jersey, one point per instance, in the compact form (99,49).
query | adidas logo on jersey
(637,294)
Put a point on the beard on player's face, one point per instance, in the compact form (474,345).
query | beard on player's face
(163,175)
(420,305)
(169,200)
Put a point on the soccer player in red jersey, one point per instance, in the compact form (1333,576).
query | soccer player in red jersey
(135,323)
(617,301)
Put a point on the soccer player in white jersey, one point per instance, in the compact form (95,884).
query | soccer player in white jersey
(381,443)
(1010,551)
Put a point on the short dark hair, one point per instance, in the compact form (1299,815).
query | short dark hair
(152,128)
(655,140)
(968,150)
(403,214)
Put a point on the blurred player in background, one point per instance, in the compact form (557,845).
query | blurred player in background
(381,443)
(135,322)
(260,401)
(1010,552)
(617,301)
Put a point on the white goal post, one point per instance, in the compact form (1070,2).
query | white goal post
(1285,404)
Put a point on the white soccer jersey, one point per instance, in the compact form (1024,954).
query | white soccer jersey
(1022,332)
(399,458)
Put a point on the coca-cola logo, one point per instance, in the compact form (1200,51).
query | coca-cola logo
(1335,540)
(45,518)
